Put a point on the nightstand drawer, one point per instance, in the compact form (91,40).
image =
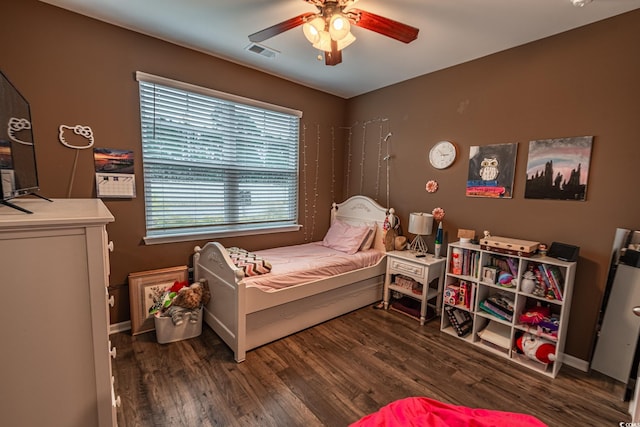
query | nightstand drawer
(403,267)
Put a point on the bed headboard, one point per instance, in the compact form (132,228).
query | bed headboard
(362,209)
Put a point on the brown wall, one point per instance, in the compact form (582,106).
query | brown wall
(583,82)
(75,70)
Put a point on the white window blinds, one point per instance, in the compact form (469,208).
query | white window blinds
(214,162)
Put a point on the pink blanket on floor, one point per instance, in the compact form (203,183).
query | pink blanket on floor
(424,412)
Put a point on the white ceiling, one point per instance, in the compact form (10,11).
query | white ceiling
(451,32)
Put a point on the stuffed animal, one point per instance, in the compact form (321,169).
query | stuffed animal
(191,297)
(180,301)
(162,299)
(536,348)
(535,315)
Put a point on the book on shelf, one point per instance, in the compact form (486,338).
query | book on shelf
(472,295)
(474,263)
(466,298)
(551,282)
(462,296)
(502,300)
(542,277)
(539,278)
(555,278)
(500,264)
(499,305)
(460,320)
(495,312)
(550,277)
(513,267)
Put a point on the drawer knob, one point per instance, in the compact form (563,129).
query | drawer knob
(112,301)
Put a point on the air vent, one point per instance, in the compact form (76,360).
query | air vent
(262,50)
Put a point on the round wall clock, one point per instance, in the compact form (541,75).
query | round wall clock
(442,154)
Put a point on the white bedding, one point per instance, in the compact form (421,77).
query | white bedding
(293,265)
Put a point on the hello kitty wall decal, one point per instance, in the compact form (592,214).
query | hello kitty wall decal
(86,140)
(84,132)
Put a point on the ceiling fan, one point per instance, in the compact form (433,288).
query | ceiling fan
(329,30)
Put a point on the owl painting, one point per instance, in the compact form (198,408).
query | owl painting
(489,169)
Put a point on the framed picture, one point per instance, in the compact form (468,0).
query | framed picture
(144,288)
(490,274)
(491,170)
(558,168)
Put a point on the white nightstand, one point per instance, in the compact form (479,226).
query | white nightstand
(423,270)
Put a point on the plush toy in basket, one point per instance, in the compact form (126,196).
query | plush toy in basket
(179,303)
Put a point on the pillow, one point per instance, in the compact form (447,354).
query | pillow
(368,238)
(344,237)
(250,263)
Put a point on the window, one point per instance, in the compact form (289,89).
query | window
(215,164)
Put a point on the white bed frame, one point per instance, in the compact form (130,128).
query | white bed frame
(246,317)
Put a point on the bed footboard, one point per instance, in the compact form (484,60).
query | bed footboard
(225,312)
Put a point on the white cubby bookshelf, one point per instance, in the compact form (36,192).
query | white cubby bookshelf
(477,272)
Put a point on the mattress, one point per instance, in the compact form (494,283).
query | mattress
(297,264)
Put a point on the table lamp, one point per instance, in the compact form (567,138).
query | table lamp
(420,224)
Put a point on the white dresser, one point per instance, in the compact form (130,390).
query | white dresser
(55,361)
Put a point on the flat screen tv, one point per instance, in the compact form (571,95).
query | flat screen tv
(17,155)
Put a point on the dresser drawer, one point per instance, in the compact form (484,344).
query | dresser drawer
(403,267)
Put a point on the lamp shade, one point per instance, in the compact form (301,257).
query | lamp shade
(324,42)
(312,29)
(339,27)
(420,223)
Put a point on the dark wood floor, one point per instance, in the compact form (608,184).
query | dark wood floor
(337,372)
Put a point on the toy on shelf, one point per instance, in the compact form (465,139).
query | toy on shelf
(537,349)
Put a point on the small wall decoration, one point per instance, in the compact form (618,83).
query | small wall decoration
(144,287)
(85,134)
(432,186)
(82,137)
(558,168)
(491,170)
(114,173)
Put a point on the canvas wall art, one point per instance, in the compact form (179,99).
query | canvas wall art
(491,170)
(558,168)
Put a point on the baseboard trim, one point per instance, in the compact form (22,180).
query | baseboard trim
(120,327)
(574,362)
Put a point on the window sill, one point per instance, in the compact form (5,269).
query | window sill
(190,236)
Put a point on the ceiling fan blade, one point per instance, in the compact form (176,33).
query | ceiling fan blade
(274,30)
(385,26)
(334,57)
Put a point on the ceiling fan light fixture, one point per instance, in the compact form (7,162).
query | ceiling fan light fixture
(313,28)
(324,41)
(339,27)
(350,38)
(580,3)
